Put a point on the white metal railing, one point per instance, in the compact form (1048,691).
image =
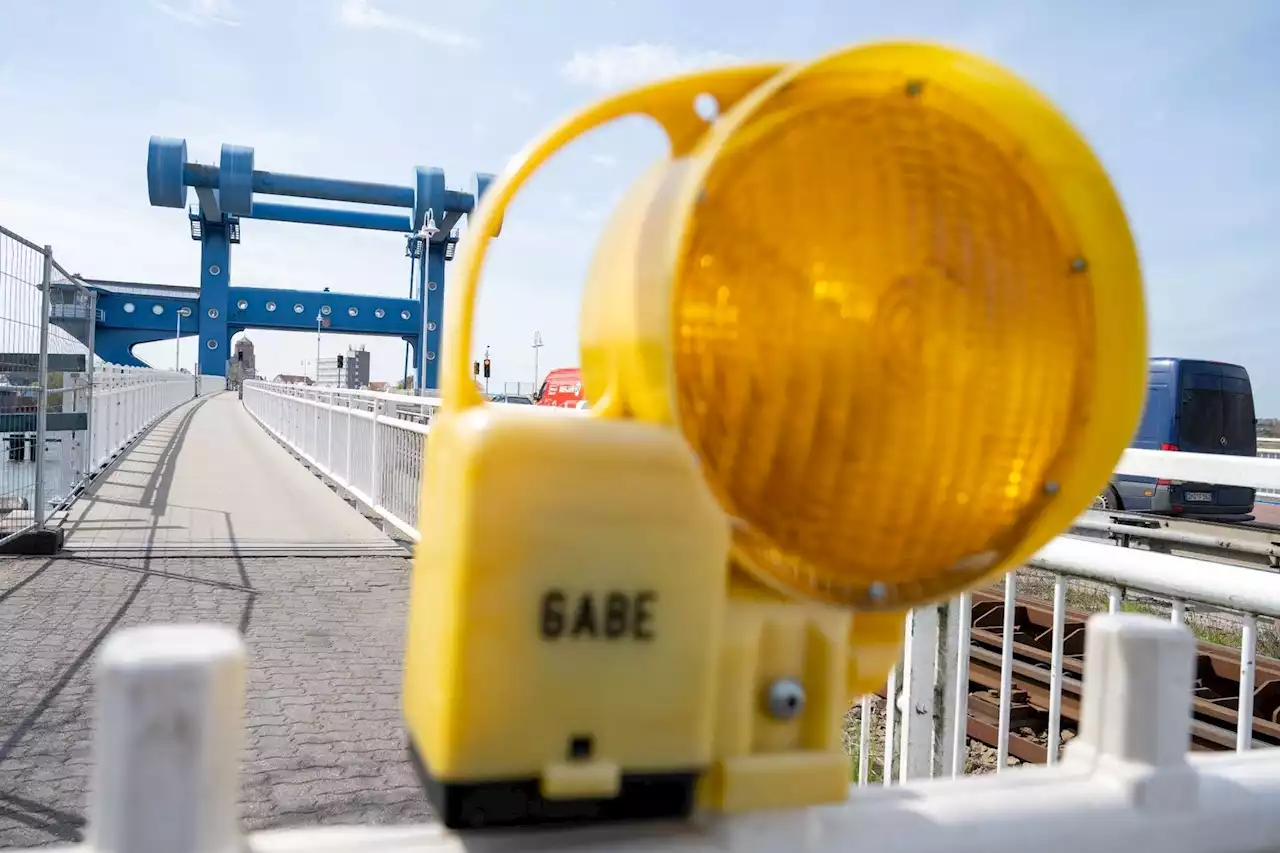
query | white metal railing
(933,740)
(126,400)
(925,730)
(369,443)
(117,404)
(1126,783)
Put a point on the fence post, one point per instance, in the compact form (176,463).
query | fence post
(42,396)
(328,438)
(946,675)
(347,476)
(380,407)
(915,754)
(90,421)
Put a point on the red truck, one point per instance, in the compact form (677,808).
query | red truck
(562,388)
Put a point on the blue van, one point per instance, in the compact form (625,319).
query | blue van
(1195,407)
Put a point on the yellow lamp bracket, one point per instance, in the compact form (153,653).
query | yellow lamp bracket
(845,345)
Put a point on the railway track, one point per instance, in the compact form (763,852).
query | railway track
(1216,687)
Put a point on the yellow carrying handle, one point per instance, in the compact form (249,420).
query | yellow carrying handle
(670,103)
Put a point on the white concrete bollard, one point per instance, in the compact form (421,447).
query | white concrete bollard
(167,745)
(1135,722)
(1137,690)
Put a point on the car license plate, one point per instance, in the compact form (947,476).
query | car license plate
(1199,497)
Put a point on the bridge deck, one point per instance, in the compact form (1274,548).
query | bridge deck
(208,481)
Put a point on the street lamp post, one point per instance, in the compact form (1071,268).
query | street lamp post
(319,320)
(177,338)
(537,345)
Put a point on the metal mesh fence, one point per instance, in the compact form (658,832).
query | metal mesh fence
(63,415)
(46,383)
(23,270)
(72,311)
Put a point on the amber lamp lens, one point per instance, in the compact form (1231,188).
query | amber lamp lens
(883,342)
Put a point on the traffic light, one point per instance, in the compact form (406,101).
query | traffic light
(871,335)
(486,368)
(475,370)
(339,362)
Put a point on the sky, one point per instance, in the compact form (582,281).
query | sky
(1180,100)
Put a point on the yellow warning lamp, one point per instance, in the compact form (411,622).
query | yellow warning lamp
(872,333)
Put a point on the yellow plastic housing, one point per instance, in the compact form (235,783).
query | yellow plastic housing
(891,301)
(763,761)
(872,335)
(571,584)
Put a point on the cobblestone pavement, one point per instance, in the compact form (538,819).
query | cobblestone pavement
(324,741)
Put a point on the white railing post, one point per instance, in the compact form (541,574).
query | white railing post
(1136,694)
(381,408)
(915,754)
(945,676)
(347,473)
(330,419)
(1006,669)
(960,711)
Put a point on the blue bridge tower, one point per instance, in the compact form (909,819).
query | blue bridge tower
(130,314)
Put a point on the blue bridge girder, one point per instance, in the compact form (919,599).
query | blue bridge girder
(226,194)
(132,314)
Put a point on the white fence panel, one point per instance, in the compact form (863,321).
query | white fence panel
(1127,783)
(368,442)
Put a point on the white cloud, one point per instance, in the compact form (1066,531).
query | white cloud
(616,66)
(606,160)
(363,15)
(201,12)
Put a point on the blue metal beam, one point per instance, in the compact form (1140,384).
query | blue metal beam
(133,312)
(169,174)
(227,194)
(215,280)
(263,308)
(116,345)
(209,203)
(355,192)
(348,313)
(397,222)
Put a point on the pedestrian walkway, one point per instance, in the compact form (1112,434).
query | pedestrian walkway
(207,519)
(207,480)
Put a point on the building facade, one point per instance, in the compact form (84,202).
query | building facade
(242,354)
(354,372)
